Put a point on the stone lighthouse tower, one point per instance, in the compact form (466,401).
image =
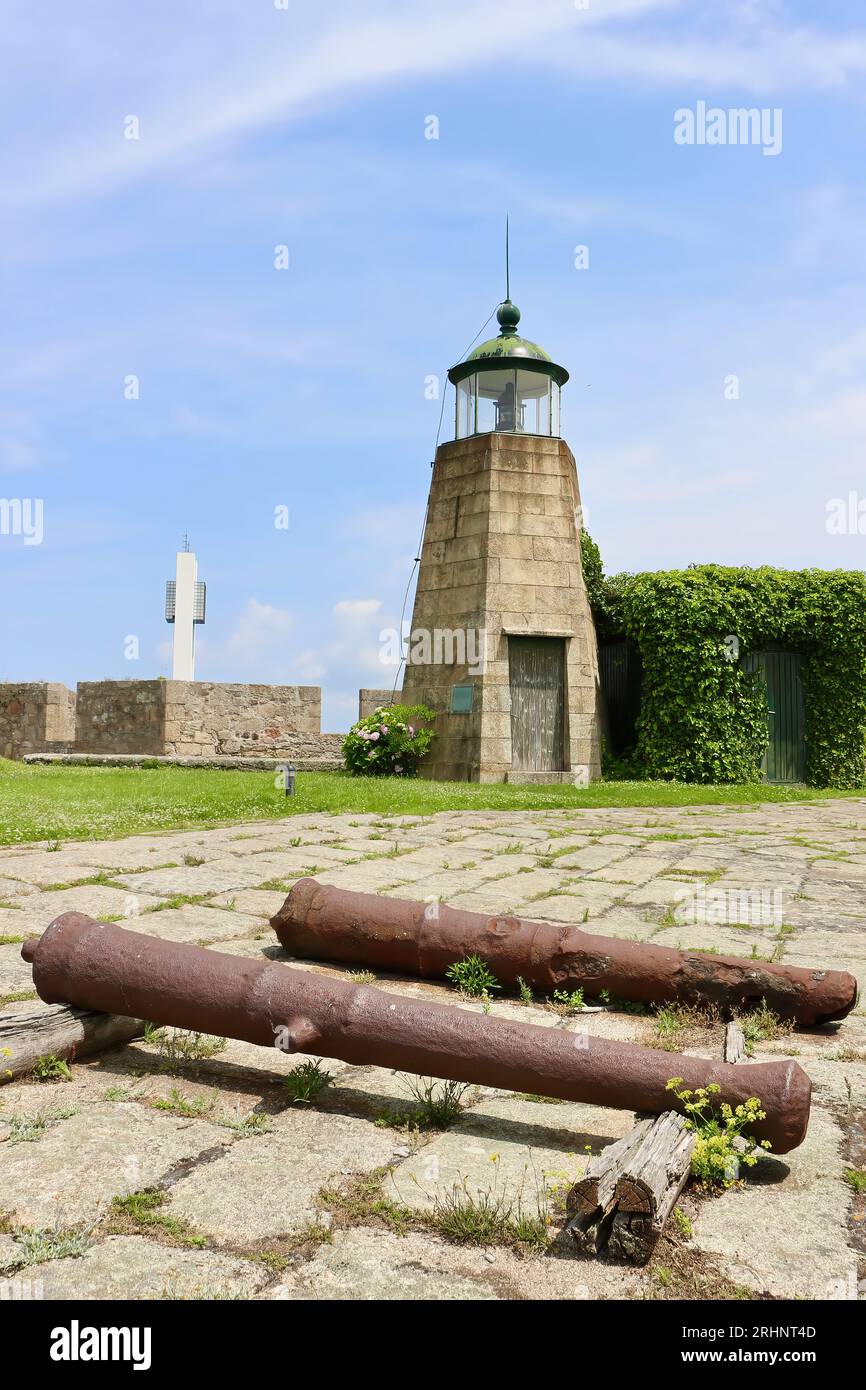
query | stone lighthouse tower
(502,643)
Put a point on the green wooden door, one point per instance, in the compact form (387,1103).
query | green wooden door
(621,671)
(785,758)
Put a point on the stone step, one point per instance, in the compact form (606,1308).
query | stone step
(540,779)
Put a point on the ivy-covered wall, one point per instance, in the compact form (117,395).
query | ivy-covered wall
(703,717)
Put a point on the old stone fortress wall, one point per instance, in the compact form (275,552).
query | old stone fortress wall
(181,720)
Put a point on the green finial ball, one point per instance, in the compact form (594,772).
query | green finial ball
(508,317)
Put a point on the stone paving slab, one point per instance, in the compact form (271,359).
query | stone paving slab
(847,951)
(132,1267)
(294,863)
(725,941)
(660,892)
(374,1265)
(513,1150)
(493,899)
(804,1208)
(372,875)
(256,902)
(76,861)
(15,974)
(579,900)
(98,900)
(240,1080)
(196,923)
(836,1079)
(71,1174)
(195,881)
(10,1253)
(12,888)
(267,1186)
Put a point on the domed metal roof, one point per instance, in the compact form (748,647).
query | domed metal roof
(508,345)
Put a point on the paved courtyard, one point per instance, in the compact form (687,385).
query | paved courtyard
(253,1196)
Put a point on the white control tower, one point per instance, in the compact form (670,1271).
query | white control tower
(185,597)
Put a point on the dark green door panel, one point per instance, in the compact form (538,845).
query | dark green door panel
(621,669)
(785,758)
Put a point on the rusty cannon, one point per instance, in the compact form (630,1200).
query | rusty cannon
(334,924)
(101,966)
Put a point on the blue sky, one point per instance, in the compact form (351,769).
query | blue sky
(305,127)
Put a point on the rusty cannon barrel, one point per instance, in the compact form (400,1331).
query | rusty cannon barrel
(99,965)
(321,923)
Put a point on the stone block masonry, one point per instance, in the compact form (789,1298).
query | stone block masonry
(501,557)
(370,700)
(204,718)
(35,717)
(193,719)
(249,725)
(120,717)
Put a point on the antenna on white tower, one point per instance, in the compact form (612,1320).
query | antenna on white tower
(185,598)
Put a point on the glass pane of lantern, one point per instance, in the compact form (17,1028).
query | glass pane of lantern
(554,408)
(532,393)
(491,384)
(486,418)
(544,411)
(492,387)
(465,408)
(497,401)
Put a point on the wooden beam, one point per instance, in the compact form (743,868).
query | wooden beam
(628,1192)
(56,1030)
(735,1043)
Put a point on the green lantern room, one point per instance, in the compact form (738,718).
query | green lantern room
(507,385)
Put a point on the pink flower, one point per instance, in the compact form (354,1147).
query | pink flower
(411,730)
(384,728)
(374,737)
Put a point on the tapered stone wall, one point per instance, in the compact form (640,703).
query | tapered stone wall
(501,556)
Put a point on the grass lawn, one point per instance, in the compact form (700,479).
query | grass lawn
(84,803)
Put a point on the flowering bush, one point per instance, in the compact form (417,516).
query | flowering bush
(716,1158)
(389,742)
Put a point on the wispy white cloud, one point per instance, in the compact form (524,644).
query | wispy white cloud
(22,441)
(259,638)
(843,415)
(389,525)
(294,70)
(352,647)
(263,646)
(774,61)
(287,79)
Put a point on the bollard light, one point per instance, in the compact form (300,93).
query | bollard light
(286,778)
